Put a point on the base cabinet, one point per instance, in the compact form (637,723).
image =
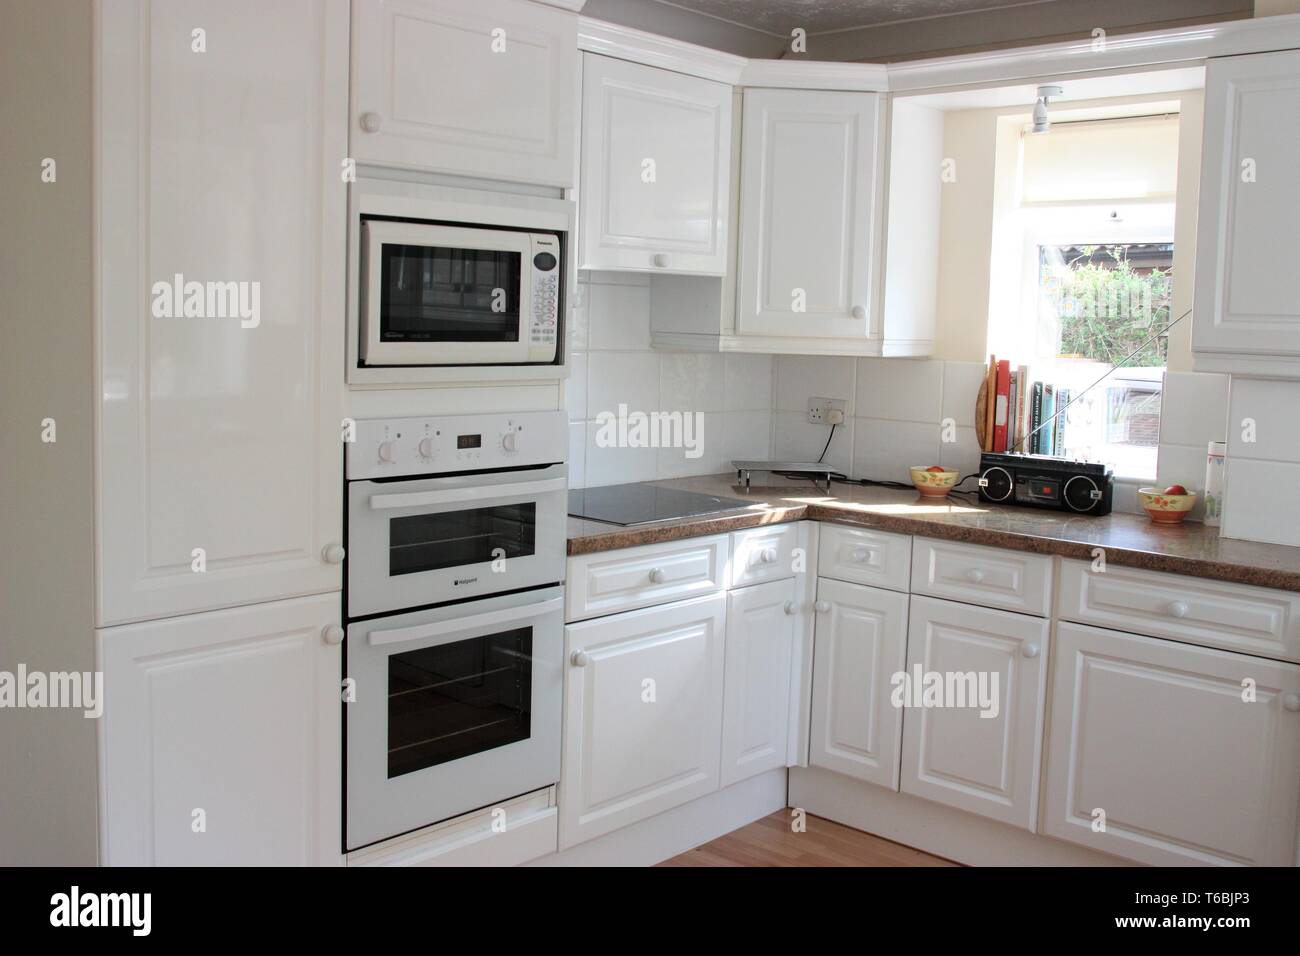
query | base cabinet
(984,759)
(1155,755)
(220,742)
(860,642)
(642,714)
(760,646)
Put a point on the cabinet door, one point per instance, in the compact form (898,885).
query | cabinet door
(219,451)
(859,644)
(477,87)
(1247,288)
(1157,736)
(221,740)
(808,182)
(990,662)
(656,164)
(760,649)
(642,714)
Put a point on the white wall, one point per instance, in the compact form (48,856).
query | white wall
(613,363)
(47,756)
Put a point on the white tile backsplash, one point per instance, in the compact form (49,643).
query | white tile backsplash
(614,465)
(962,455)
(909,390)
(618,317)
(691,381)
(747,383)
(800,377)
(884,450)
(1193,408)
(746,435)
(575,387)
(615,378)
(796,440)
(961,386)
(1183,465)
(1265,410)
(1262,502)
(577,454)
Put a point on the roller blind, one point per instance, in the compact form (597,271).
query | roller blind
(1118,159)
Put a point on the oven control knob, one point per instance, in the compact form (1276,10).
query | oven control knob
(334,554)
(333,634)
(426,447)
(387,451)
(508,441)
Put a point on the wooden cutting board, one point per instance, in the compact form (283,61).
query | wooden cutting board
(981,413)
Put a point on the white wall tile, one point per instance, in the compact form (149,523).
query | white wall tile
(631,378)
(1183,465)
(1193,408)
(961,386)
(691,381)
(796,440)
(884,450)
(577,454)
(747,382)
(675,463)
(1273,405)
(618,316)
(615,465)
(578,316)
(1262,501)
(575,387)
(962,455)
(800,377)
(746,435)
(899,389)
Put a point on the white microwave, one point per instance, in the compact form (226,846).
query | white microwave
(448,294)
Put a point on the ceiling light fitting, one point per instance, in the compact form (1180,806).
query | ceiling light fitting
(1041,123)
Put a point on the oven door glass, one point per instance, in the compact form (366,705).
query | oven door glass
(453,700)
(440,294)
(450,539)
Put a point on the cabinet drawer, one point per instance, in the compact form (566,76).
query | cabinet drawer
(638,577)
(874,558)
(993,577)
(1214,613)
(763,554)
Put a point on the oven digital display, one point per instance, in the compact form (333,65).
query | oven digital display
(469,441)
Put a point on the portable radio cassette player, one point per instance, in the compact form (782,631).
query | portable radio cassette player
(1042,481)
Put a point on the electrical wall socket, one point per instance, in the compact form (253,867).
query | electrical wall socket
(819,410)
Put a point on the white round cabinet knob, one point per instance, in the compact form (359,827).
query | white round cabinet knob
(333,634)
(791,607)
(660,259)
(974,575)
(508,441)
(658,575)
(1178,608)
(822,606)
(426,447)
(579,658)
(1291,702)
(859,312)
(334,553)
(370,122)
(1029,650)
(860,555)
(387,451)
(768,556)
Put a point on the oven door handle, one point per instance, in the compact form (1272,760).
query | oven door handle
(396,635)
(413,499)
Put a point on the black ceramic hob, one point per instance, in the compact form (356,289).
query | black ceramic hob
(644,502)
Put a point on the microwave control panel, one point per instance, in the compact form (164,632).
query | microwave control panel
(546,297)
(398,447)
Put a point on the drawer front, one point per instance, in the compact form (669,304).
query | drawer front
(877,559)
(616,581)
(763,554)
(974,574)
(1234,617)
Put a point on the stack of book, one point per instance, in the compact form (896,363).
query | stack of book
(1015,407)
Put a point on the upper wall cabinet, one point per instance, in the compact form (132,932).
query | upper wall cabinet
(483,88)
(810,187)
(1247,318)
(656,163)
(219,303)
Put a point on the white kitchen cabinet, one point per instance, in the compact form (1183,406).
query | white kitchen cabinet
(1247,320)
(760,647)
(954,754)
(1155,756)
(220,742)
(656,168)
(485,88)
(809,194)
(219,446)
(642,714)
(860,642)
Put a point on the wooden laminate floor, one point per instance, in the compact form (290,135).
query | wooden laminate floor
(771,842)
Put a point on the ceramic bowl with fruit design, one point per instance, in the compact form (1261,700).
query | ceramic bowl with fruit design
(1167,505)
(933,480)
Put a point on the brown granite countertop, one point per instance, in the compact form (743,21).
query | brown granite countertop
(1128,540)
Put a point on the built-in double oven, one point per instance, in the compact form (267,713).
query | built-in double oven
(455,601)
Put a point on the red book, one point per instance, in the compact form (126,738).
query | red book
(1003,406)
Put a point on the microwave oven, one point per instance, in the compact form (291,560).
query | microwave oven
(453,294)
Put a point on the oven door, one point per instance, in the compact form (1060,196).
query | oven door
(455,708)
(444,295)
(431,540)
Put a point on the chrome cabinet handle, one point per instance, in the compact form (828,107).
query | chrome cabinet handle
(333,634)
(371,122)
(579,658)
(334,553)
(822,606)
(1029,650)
(1178,608)
(791,607)
(974,575)
(658,575)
